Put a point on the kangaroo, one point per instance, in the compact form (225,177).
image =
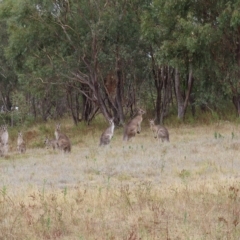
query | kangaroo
(21,145)
(159,131)
(133,126)
(62,139)
(1,150)
(4,135)
(107,134)
(4,139)
(1,132)
(64,145)
(1,146)
(51,143)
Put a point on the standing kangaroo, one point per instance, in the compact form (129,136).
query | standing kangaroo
(4,139)
(4,135)
(133,126)
(107,134)
(159,131)
(62,139)
(21,145)
(51,143)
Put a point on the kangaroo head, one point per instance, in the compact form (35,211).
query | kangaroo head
(151,121)
(140,111)
(4,128)
(111,121)
(20,134)
(58,125)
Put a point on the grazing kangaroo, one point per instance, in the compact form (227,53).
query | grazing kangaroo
(51,143)
(21,145)
(62,139)
(107,134)
(159,131)
(133,126)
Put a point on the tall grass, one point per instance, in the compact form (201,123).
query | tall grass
(142,189)
(207,210)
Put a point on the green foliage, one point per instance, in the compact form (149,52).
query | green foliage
(20,114)
(44,42)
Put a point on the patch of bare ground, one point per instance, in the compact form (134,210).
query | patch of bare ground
(142,189)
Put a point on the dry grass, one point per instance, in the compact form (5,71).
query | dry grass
(143,189)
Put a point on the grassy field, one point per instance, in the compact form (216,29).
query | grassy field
(185,189)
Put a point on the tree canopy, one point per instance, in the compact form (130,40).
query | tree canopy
(84,57)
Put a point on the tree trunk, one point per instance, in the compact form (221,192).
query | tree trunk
(189,89)
(180,101)
(166,93)
(236,102)
(119,86)
(156,71)
(99,100)
(236,95)
(72,100)
(34,108)
(159,85)
(119,96)
(162,82)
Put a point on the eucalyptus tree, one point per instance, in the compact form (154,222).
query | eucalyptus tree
(228,54)
(114,57)
(168,27)
(27,51)
(71,48)
(199,40)
(8,78)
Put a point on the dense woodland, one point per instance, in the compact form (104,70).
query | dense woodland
(80,58)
